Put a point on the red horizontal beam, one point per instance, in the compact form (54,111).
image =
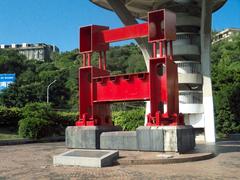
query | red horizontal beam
(125,33)
(131,87)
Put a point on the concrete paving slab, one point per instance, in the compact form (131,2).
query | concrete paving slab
(35,161)
(86,158)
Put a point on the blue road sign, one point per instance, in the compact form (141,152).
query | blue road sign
(6,79)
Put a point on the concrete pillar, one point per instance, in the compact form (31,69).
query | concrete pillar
(206,17)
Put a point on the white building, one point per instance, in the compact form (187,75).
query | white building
(39,51)
(225,35)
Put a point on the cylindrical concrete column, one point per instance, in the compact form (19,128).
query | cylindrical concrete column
(206,71)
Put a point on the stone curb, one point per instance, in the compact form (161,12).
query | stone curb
(28,141)
(234,136)
(197,157)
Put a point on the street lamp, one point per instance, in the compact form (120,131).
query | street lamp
(48,89)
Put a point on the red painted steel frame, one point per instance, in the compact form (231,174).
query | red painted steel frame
(125,33)
(98,89)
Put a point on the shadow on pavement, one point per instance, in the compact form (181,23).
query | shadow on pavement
(226,146)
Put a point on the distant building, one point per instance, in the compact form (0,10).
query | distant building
(225,35)
(39,51)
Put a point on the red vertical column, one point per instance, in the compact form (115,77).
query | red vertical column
(171,50)
(104,60)
(84,60)
(85,96)
(160,49)
(89,59)
(100,60)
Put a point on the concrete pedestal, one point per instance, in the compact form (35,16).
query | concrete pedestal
(122,140)
(160,139)
(166,138)
(150,138)
(86,137)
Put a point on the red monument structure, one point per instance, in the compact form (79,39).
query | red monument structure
(165,130)
(98,89)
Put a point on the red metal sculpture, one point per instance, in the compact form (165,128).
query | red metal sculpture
(98,89)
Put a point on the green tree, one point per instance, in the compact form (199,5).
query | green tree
(34,76)
(226,85)
(11,62)
(32,80)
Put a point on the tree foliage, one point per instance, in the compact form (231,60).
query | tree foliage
(129,120)
(226,85)
(40,120)
(34,76)
(11,62)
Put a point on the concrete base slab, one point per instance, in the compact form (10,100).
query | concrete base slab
(86,137)
(150,138)
(86,158)
(185,138)
(122,140)
(166,138)
(140,157)
(160,139)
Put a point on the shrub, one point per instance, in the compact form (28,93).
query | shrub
(62,120)
(9,117)
(129,120)
(39,110)
(37,121)
(34,128)
(65,119)
(226,103)
(49,121)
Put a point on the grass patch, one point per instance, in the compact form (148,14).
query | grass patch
(6,134)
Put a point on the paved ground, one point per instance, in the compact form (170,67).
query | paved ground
(34,161)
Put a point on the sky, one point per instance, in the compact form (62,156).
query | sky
(57,22)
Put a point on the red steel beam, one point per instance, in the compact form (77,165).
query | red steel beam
(128,87)
(125,33)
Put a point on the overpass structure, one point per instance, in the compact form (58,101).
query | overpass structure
(191,52)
